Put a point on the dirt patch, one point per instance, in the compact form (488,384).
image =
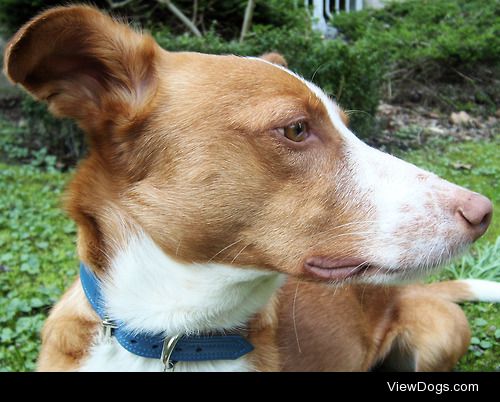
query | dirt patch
(10,108)
(410,126)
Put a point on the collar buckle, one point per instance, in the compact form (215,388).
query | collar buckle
(108,327)
(167,350)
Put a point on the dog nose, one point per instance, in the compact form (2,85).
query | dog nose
(476,210)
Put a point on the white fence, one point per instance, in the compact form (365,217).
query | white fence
(324,9)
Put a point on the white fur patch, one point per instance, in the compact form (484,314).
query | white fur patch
(151,292)
(487,291)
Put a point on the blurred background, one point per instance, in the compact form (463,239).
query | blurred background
(420,79)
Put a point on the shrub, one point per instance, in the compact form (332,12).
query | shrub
(453,31)
(482,263)
(61,138)
(430,45)
(224,16)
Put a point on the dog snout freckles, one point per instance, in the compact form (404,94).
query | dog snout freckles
(420,220)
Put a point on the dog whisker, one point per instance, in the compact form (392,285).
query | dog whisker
(237,255)
(293,315)
(224,249)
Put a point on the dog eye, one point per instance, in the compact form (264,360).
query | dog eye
(296,132)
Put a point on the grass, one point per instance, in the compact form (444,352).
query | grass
(38,259)
(482,262)
(474,165)
(428,46)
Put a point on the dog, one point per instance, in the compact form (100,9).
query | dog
(229,220)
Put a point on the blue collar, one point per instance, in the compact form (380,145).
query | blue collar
(156,346)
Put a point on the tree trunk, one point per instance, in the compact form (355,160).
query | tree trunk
(247,20)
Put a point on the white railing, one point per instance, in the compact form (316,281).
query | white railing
(324,9)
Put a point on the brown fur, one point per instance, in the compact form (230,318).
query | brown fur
(167,132)
(354,328)
(68,332)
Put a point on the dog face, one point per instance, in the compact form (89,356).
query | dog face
(233,160)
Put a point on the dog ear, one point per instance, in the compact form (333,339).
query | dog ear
(275,58)
(86,65)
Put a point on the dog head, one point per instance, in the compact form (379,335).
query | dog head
(231,160)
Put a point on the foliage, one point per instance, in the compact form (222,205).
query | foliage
(483,262)
(16,146)
(40,130)
(484,350)
(13,13)
(434,41)
(225,16)
(37,259)
(451,31)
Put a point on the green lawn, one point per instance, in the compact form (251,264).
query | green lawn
(474,165)
(38,260)
(37,255)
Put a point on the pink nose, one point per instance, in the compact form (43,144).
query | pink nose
(476,210)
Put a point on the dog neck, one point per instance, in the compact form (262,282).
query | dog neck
(150,291)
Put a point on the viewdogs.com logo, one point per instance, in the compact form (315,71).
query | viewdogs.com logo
(422,386)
